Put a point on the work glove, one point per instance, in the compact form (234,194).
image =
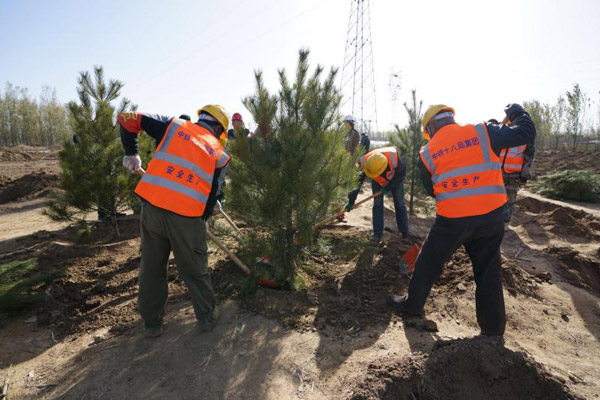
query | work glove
(351,199)
(132,163)
(385,191)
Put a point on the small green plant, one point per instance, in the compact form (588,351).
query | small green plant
(578,185)
(17,279)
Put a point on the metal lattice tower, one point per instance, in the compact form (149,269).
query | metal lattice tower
(358,72)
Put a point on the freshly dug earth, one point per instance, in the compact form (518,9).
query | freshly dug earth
(479,368)
(549,161)
(349,294)
(582,270)
(323,336)
(12,155)
(100,278)
(568,224)
(30,186)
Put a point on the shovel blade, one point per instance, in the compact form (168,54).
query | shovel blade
(409,258)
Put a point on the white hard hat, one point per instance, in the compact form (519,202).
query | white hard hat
(350,118)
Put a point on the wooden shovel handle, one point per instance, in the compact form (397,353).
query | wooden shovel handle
(333,217)
(229,253)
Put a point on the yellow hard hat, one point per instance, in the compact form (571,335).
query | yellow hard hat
(376,164)
(223,139)
(431,112)
(218,113)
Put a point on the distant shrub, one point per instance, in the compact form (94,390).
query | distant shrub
(579,185)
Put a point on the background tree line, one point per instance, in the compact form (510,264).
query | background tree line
(570,123)
(27,121)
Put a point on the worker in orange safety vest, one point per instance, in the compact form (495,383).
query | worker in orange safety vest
(462,169)
(179,190)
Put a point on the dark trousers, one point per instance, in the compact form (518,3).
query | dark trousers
(163,231)
(482,243)
(399,209)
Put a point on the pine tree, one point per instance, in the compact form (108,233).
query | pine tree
(285,177)
(92,174)
(409,141)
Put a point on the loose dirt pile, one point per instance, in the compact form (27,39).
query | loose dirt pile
(12,155)
(99,278)
(347,288)
(457,277)
(27,187)
(580,270)
(549,161)
(568,224)
(479,368)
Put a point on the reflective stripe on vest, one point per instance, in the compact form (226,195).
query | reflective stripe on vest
(223,160)
(182,162)
(179,176)
(513,159)
(493,186)
(174,186)
(471,192)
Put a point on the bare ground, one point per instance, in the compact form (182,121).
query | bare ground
(335,340)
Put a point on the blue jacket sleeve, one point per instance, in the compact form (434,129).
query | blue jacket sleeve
(520,132)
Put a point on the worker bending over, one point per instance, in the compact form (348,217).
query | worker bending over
(386,170)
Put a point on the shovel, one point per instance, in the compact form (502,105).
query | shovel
(261,282)
(327,220)
(407,262)
(230,221)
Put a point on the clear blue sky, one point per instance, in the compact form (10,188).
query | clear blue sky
(178,55)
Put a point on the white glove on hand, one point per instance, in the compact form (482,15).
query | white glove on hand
(132,163)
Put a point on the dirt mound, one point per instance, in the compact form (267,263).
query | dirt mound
(548,161)
(14,155)
(535,206)
(34,185)
(457,276)
(540,217)
(479,368)
(347,287)
(580,269)
(575,222)
(98,286)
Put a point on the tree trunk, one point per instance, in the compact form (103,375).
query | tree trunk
(115,225)
(412,179)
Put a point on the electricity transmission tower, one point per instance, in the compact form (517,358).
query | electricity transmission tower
(358,72)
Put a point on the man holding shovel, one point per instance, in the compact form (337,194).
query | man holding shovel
(461,168)
(179,190)
(387,171)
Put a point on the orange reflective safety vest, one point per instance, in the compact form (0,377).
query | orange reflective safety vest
(513,159)
(179,176)
(392,157)
(466,173)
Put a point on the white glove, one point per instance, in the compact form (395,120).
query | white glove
(132,163)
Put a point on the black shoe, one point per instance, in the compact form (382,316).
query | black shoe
(153,332)
(398,303)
